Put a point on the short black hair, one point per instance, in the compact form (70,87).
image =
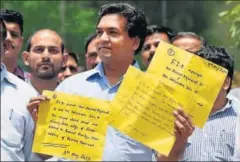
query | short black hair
(73,55)
(3,30)
(219,56)
(188,34)
(12,16)
(136,21)
(89,39)
(151,29)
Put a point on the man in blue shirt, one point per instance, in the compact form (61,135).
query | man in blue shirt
(16,122)
(121,30)
(155,34)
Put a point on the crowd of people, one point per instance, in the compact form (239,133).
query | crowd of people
(121,33)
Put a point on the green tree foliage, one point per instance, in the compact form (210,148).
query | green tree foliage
(73,20)
(232,17)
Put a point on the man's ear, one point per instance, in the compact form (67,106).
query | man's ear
(227,83)
(21,40)
(65,58)
(136,43)
(25,58)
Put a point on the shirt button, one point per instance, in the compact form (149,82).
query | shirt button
(205,135)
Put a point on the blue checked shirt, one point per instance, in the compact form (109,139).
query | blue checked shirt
(93,83)
(237,150)
(16,123)
(215,142)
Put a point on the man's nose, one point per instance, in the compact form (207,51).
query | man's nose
(67,72)
(9,36)
(152,50)
(97,60)
(104,37)
(46,53)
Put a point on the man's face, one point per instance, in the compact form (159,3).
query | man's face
(15,38)
(45,58)
(91,57)
(189,44)
(4,45)
(114,43)
(68,69)
(150,44)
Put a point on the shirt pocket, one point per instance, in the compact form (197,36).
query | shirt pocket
(133,150)
(225,146)
(13,130)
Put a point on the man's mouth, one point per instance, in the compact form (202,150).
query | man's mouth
(104,48)
(45,65)
(8,46)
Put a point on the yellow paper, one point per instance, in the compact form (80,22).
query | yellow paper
(196,79)
(71,127)
(142,110)
(143,107)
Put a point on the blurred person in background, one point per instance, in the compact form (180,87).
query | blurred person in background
(14,23)
(71,67)
(91,54)
(235,91)
(44,57)
(188,41)
(155,34)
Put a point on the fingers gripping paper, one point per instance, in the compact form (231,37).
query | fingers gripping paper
(71,127)
(146,101)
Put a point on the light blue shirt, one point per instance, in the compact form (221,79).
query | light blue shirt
(236,101)
(16,122)
(93,83)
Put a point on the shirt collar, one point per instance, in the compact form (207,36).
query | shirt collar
(3,72)
(99,70)
(226,106)
(5,75)
(19,72)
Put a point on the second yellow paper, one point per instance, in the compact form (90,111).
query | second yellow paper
(142,110)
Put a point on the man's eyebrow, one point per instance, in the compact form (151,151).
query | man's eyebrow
(109,28)
(53,47)
(38,46)
(92,53)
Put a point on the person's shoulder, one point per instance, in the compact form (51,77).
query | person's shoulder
(235,90)
(21,86)
(79,80)
(235,104)
(81,77)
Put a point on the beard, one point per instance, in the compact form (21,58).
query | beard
(47,73)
